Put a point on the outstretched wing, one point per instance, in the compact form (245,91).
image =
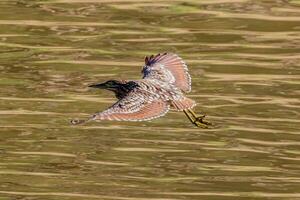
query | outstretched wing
(138,105)
(168,67)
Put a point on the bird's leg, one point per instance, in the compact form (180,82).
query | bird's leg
(200,118)
(188,116)
(194,120)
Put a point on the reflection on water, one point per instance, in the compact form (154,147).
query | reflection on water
(244,60)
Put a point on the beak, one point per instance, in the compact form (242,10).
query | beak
(101,86)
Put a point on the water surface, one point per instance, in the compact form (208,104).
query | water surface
(244,60)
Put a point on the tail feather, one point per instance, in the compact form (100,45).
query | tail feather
(183,104)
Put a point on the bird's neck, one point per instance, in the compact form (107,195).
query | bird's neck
(121,92)
(124,88)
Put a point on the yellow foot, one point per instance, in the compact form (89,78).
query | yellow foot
(201,120)
(200,124)
(196,120)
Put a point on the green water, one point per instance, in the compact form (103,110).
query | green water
(244,60)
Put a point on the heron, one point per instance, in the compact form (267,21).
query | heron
(165,81)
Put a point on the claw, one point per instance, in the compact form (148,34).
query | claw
(200,124)
(207,123)
(200,118)
(202,121)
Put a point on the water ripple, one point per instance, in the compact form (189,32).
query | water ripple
(243,57)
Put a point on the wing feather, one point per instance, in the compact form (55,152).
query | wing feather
(138,105)
(162,65)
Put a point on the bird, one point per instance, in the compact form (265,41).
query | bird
(165,81)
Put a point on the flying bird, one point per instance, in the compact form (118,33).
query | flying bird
(164,82)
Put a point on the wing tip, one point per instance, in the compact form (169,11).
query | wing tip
(149,60)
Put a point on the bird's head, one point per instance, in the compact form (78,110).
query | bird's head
(109,85)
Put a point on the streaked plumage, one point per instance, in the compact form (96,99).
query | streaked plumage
(165,79)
